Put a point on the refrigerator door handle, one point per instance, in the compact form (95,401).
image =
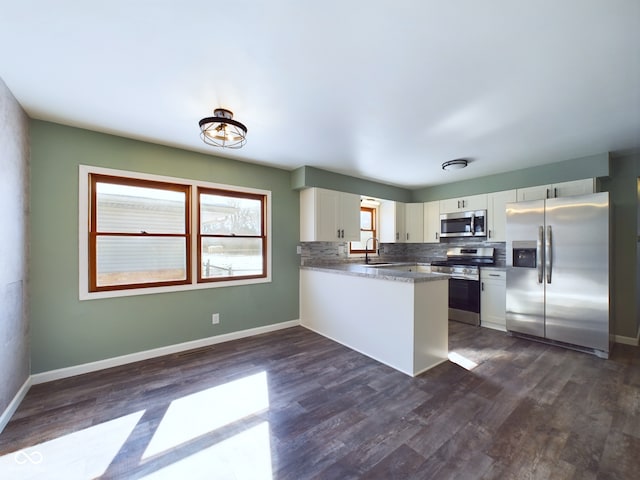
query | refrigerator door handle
(548,260)
(539,252)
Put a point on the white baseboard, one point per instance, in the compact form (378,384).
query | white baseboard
(156,352)
(628,340)
(15,403)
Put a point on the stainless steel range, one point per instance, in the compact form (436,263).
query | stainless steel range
(463,264)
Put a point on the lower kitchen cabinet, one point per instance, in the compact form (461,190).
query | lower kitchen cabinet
(493,298)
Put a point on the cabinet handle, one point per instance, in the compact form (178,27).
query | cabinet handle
(547,193)
(342,233)
(436,235)
(458,203)
(338,233)
(463,203)
(397,235)
(555,193)
(407,235)
(482,286)
(489,233)
(494,275)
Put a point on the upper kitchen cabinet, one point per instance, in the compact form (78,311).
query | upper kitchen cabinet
(432,222)
(414,226)
(497,215)
(464,204)
(392,222)
(564,189)
(329,216)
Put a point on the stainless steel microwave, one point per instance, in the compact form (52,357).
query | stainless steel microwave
(464,224)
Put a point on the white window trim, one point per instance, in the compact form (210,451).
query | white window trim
(83,234)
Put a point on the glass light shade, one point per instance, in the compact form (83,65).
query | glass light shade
(455,164)
(222,130)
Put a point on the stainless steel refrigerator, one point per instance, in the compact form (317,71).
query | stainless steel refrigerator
(557,258)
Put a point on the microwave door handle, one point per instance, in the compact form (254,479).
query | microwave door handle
(473,224)
(539,252)
(548,254)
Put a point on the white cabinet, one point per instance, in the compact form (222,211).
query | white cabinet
(392,222)
(496,214)
(431,222)
(563,189)
(493,298)
(414,227)
(464,204)
(329,216)
(401,222)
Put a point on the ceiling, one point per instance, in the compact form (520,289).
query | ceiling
(384,90)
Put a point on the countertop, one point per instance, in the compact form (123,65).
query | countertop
(377,272)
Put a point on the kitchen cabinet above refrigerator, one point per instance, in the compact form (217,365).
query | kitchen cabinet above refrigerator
(563,189)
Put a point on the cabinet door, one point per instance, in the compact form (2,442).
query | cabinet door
(327,207)
(493,294)
(464,204)
(414,222)
(450,205)
(474,202)
(326,214)
(577,187)
(431,222)
(539,192)
(318,210)
(349,217)
(497,216)
(391,222)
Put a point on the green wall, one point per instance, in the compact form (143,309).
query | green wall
(67,332)
(307,176)
(622,188)
(576,169)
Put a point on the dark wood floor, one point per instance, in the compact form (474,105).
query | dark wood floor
(527,410)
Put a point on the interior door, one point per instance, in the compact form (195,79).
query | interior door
(525,307)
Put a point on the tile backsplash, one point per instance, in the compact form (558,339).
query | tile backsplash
(337,252)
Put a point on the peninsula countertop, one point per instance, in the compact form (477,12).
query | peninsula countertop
(399,272)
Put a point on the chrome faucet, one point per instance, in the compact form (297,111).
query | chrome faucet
(366,248)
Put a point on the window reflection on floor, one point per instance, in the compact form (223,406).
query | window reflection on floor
(190,441)
(464,362)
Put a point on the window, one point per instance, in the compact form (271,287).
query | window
(136,234)
(367,232)
(139,233)
(232,241)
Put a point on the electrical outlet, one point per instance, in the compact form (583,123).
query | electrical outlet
(299,250)
(215,318)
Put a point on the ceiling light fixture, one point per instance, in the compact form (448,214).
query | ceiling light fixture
(455,164)
(222,130)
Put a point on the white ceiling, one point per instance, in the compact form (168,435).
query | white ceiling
(379,89)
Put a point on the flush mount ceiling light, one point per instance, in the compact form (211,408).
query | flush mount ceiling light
(455,164)
(222,130)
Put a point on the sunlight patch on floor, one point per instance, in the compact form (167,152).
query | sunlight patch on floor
(79,455)
(244,456)
(203,412)
(464,362)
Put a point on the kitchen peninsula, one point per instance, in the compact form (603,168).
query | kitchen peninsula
(399,318)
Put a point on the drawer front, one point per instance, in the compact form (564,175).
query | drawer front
(491,274)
